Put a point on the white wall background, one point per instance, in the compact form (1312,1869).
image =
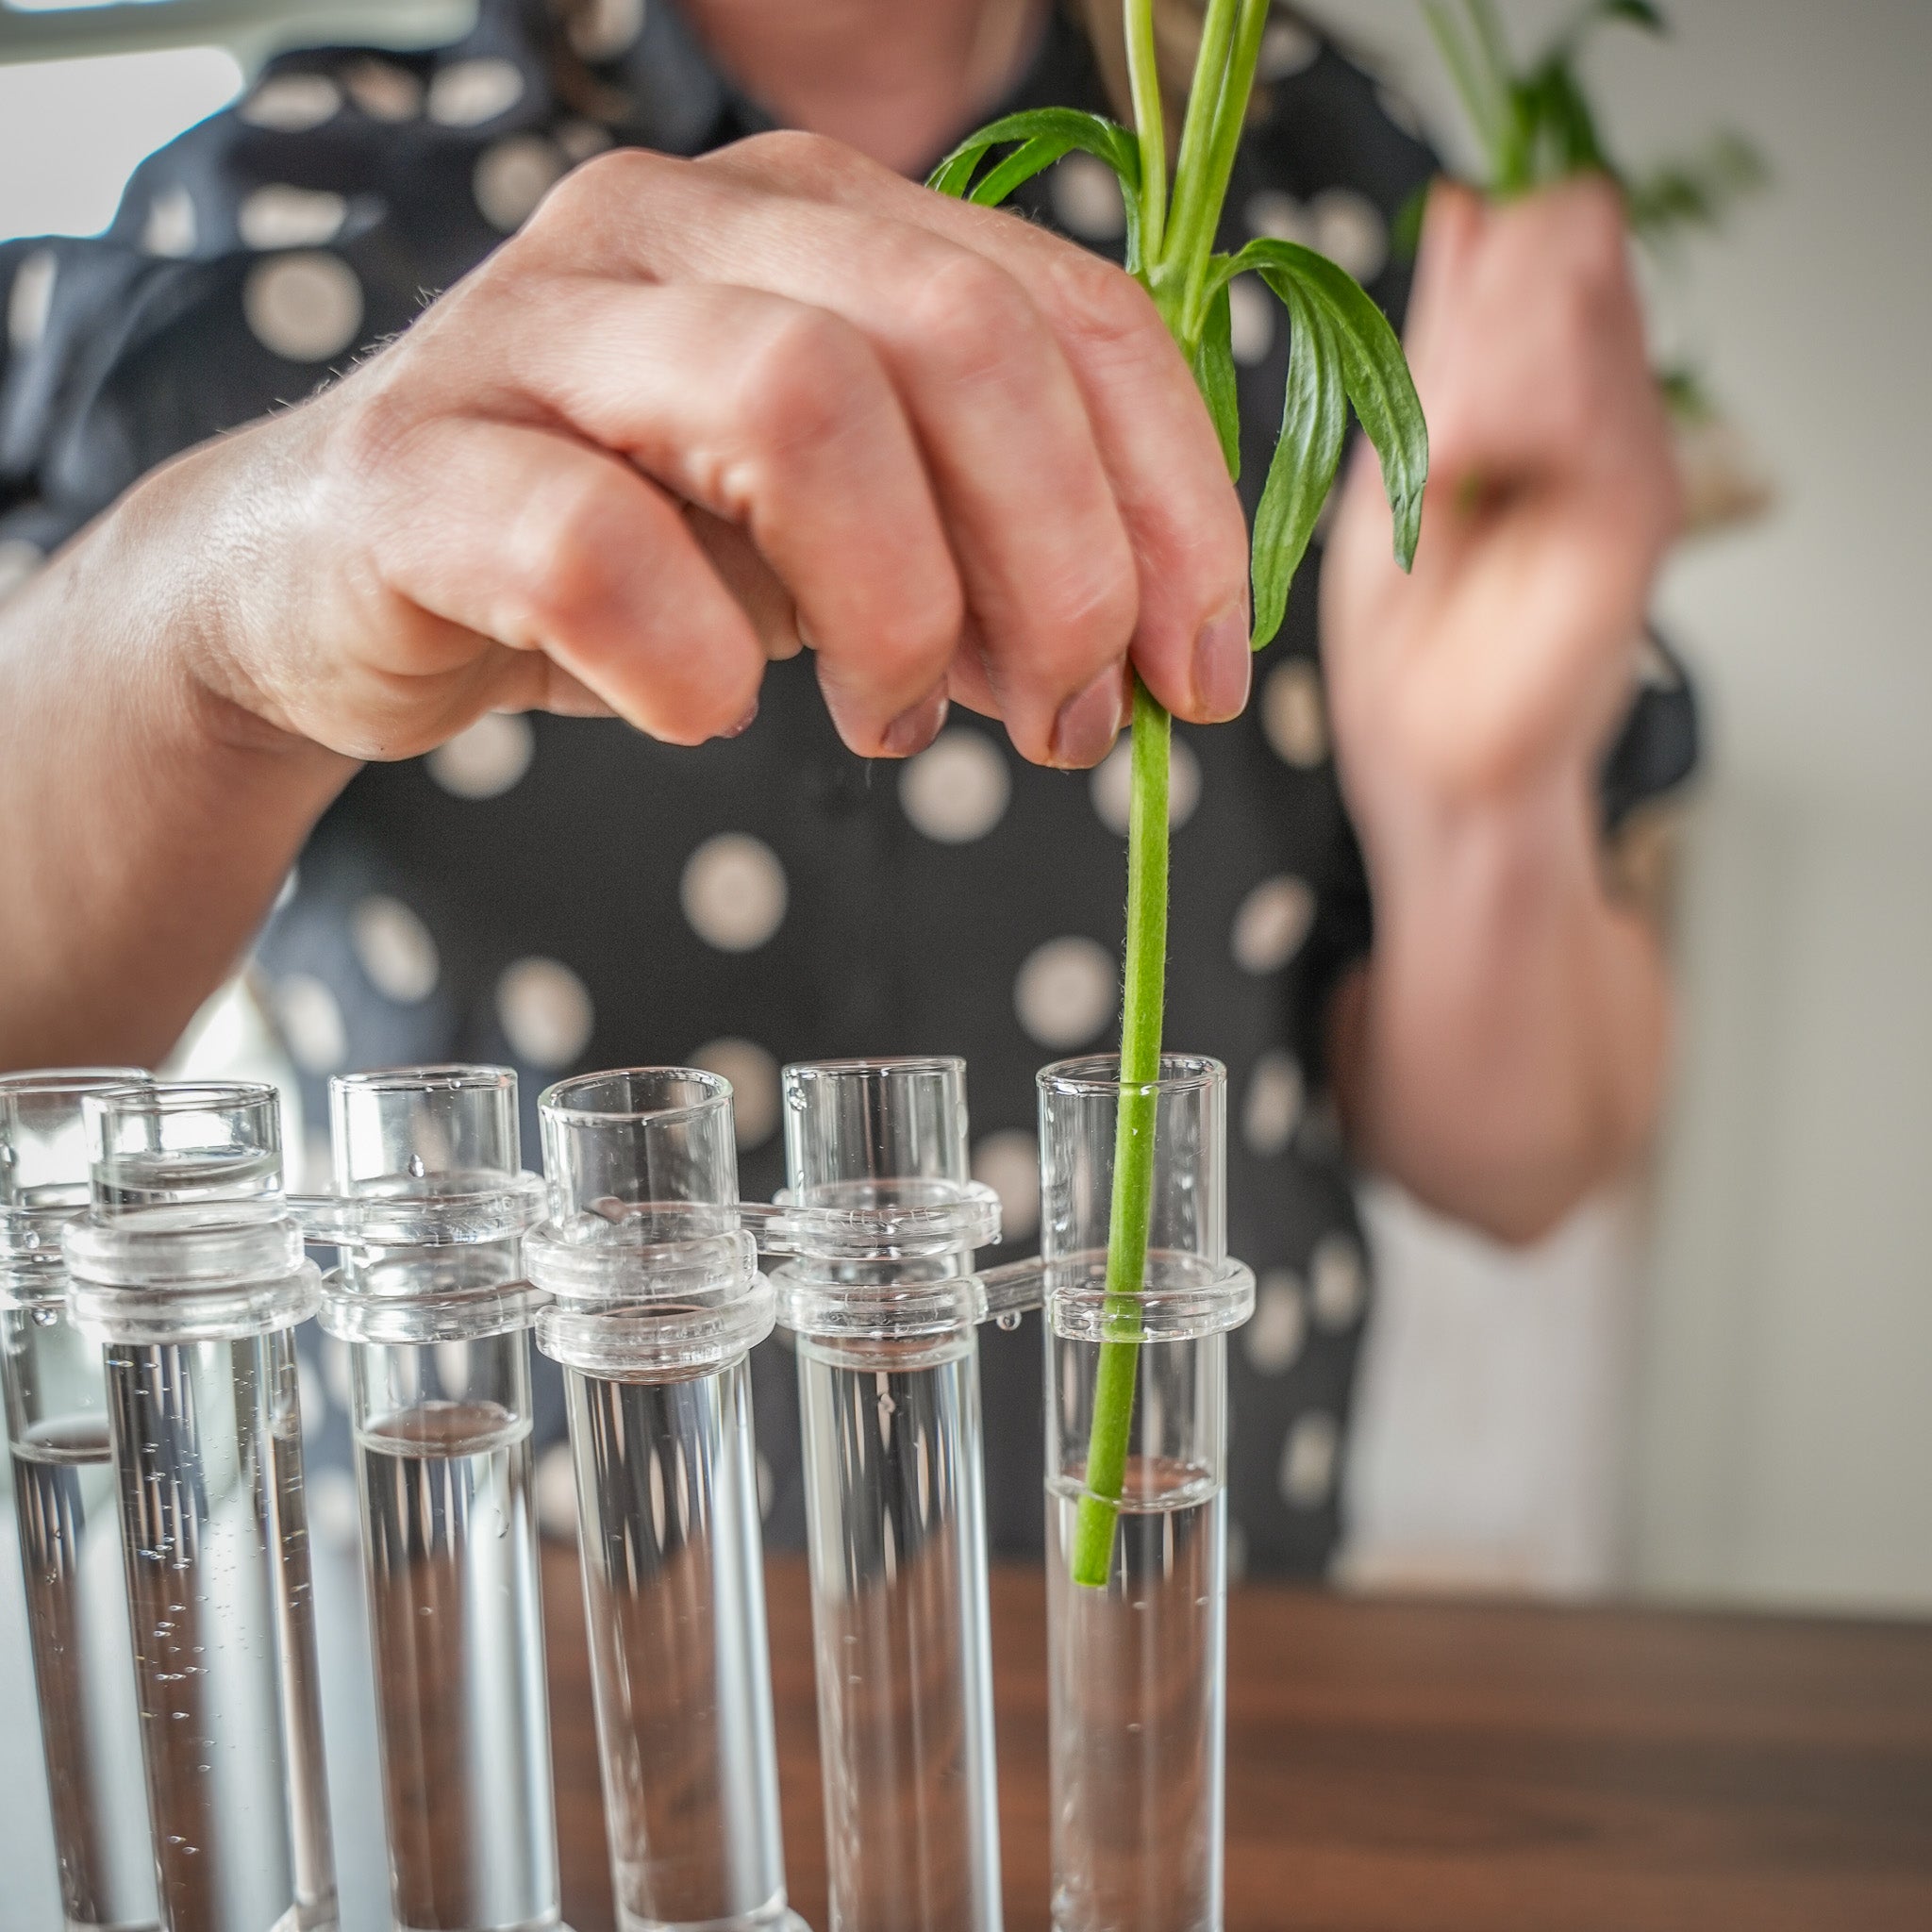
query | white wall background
(1781,1416)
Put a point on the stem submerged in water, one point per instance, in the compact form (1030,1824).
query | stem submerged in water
(1133,1158)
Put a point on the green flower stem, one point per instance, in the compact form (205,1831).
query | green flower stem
(1144,78)
(1177,269)
(1224,138)
(1133,1160)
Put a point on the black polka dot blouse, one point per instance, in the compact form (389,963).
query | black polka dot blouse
(562,895)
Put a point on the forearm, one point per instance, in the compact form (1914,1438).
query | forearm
(1503,1049)
(148,822)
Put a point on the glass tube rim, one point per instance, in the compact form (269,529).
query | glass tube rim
(876,1063)
(53,1082)
(1097,1075)
(430,1077)
(566,1113)
(188,1096)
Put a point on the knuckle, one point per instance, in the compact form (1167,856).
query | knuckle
(617,178)
(563,552)
(787,154)
(1104,305)
(1088,611)
(971,318)
(804,379)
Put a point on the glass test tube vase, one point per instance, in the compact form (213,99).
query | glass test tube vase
(56,1403)
(655,1300)
(1137,1674)
(193,1277)
(429,1212)
(881,1299)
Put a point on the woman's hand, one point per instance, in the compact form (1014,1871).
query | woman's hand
(1510,655)
(1504,1048)
(698,411)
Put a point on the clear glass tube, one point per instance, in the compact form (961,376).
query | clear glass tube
(439,1335)
(655,1303)
(888,1382)
(56,1404)
(1137,1678)
(195,1300)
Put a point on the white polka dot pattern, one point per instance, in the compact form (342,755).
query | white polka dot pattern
(31,298)
(1251,320)
(467,93)
(1337,1282)
(1237,1551)
(485,759)
(1271,1104)
(1066,992)
(753,1077)
(1350,231)
(305,306)
(1273,1337)
(383,91)
(554,1483)
(511,176)
(281,216)
(335,1517)
(453,1365)
(1401,110)
(734,893)
(1112,785)
(310,1400)
(544,1010)
(1008,1163)
(312,1022)
(172,227)
(602,30)
(291,103)
(335,1369)
(580,139)
(1273,922)
(19,560)
(1087,198)
(1292,714)
(957,790)
(1279,216)
(1287,48)
(393,948)
(1306,1475)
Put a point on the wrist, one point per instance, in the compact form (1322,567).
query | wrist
(1503,853)
(185,559)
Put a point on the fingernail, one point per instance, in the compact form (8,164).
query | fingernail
(1222,665)
(1089,723)
(743,725)
(915,727)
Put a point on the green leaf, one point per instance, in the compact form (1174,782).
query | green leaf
(1040,136)
(1314,420)
(1214,377)
(1374,371)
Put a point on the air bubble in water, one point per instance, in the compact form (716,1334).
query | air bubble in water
(1008,1321)
(416,1167)
(887,1405)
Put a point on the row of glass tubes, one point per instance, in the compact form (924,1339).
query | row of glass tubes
(152,1273)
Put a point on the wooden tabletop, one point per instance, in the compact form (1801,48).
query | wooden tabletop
(1400,1767)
